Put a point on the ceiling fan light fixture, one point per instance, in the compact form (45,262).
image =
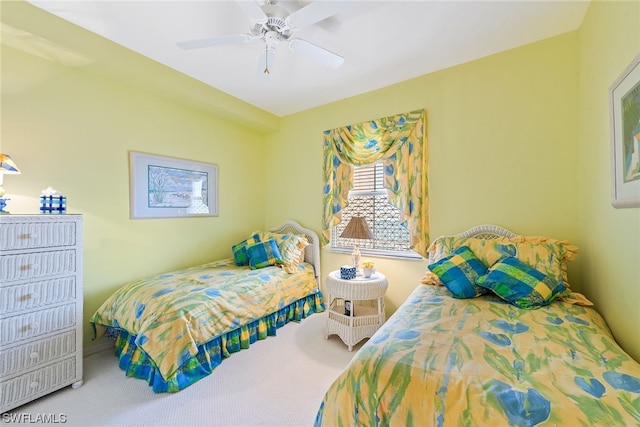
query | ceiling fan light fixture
(271,38)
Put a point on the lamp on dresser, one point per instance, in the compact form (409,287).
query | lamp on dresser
(356,229)
(7,166)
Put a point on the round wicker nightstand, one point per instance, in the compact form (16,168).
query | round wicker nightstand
(356,306)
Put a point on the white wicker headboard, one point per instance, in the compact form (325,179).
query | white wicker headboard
(312,252)
(484,231)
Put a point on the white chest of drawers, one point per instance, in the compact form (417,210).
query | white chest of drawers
(40,306)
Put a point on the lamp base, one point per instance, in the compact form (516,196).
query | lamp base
(355,258)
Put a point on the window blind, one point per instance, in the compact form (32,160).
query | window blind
(368,178)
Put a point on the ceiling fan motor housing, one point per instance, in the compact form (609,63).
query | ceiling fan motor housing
(276,28)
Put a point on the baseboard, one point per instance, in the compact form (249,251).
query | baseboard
(99,345)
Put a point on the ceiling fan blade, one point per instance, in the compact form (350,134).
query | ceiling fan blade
(316,53)
(253,10)
(316,12)
(265,63)
(215,41)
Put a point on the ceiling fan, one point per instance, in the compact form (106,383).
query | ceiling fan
(273,24)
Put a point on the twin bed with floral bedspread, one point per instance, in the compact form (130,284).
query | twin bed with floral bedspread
(503,342)
(173,329)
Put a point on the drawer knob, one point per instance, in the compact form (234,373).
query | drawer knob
(34,384)
(26,267)
(34,355)
(27,297)
(29,327)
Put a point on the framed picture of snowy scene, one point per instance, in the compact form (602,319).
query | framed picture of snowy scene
(168,187)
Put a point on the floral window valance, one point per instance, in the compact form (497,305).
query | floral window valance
(400,143)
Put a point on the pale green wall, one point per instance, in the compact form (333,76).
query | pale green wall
(72,128)
(609,238)
(502,146)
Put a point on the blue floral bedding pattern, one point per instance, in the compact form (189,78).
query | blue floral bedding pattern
(169,326)
(440,361)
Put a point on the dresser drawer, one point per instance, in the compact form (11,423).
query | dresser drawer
(33,265)
(17,328)
(27,356)
(37,294)
(28,235)
(37,383)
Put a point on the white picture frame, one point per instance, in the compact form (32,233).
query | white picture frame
(624,98)
(169,187)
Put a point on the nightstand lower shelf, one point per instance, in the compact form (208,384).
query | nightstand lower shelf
(353,329)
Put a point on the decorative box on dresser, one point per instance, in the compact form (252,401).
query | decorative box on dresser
(40,306)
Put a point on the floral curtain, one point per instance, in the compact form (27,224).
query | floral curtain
(400,143)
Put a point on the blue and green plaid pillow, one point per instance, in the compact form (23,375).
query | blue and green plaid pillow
(264,254)
(459,271)
(520,284)
(240,250)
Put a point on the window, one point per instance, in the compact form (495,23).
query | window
(400,143)
(368,199)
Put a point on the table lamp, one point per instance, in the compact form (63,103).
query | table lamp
(7,166)
(356,229)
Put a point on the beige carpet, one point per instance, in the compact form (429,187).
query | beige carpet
(279,381)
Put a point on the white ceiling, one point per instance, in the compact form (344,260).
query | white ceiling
(383,42)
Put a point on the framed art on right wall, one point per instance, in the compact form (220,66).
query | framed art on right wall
(624,97)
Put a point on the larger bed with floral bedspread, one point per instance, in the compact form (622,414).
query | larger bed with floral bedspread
(481,360)
(173,329)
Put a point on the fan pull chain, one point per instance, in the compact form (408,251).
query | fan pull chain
(266,59)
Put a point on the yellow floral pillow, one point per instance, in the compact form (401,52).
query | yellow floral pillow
(547,255)
(301,256)
(291,247)
(294,248)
